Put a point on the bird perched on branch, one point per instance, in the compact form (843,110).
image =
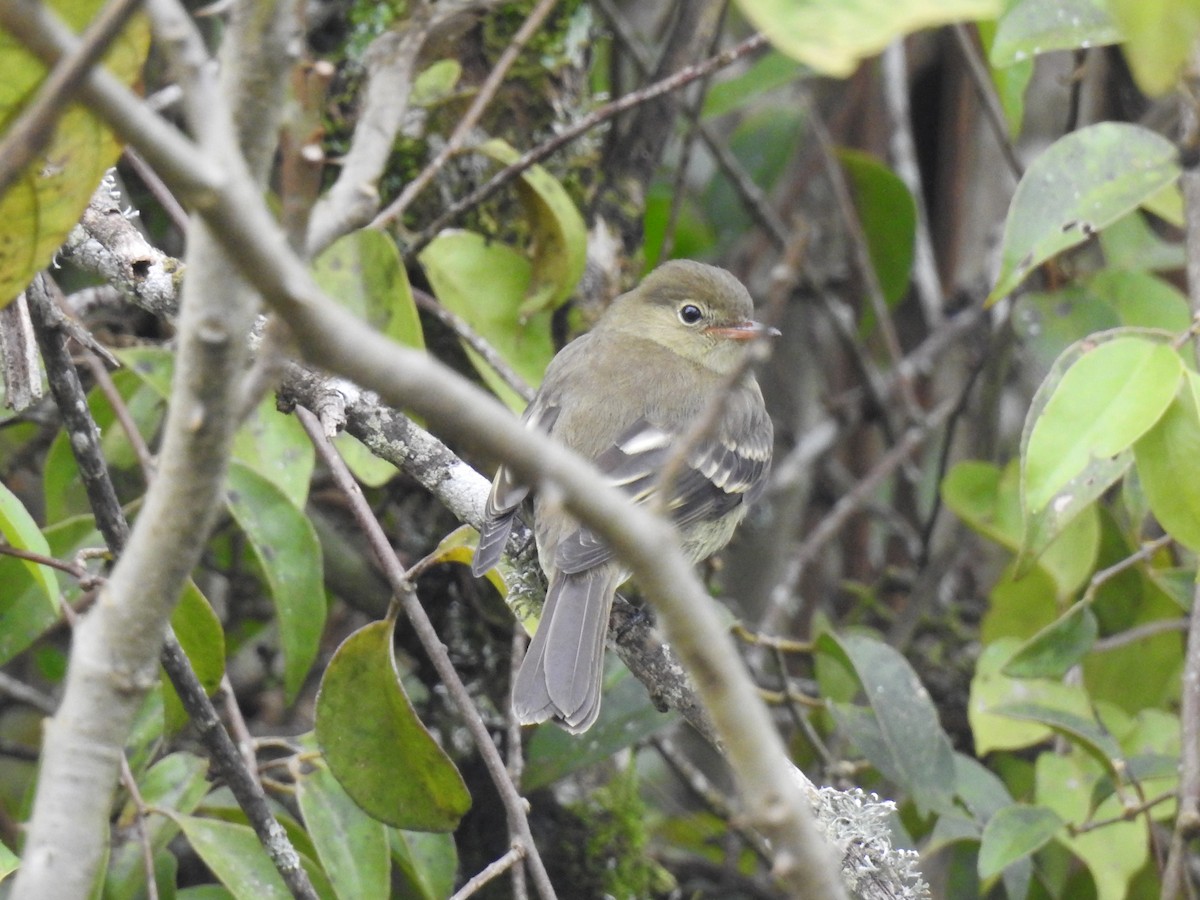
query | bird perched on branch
(625,396)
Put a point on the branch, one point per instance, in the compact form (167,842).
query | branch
(234,214)
(681,78)
(514,805)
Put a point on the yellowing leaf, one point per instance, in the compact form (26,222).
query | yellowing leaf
(43,205)
(833,36)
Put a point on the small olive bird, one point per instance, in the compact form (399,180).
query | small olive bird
(623,396)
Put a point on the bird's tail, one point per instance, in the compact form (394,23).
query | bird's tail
(562,671)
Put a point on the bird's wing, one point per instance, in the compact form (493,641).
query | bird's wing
(507,495)
(713,479)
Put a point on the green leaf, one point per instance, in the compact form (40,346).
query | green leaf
(199,632)
(1141,300)
(276,446)
(287,549)
(368,468)
(1031,27)
(1082,730)
(626,718)
(41,207)
(1056,648)
(1113,854)
(1014,833)
(458,265)
(558,239)
(989,500)
(368,730)
(176,782)
(352,847)
(363,270)
(426,863)
(833,36)
(435,83)
(1081,184)
(1011,80)
(913,748)
(236,857)
(1163,455)
(1109,395)
(769,71)
(992,693)
(9,862)
(22,533)
(1159,37)
(889,220)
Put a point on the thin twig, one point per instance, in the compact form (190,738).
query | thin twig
(110,520)
(862,253)
(987,97)
(141,812)
(683,77)
(853,500)
(172,207)
(121,411)
(490,873)
(402,587)
(475,341)
(471,117)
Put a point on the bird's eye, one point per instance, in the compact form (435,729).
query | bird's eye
(690,314)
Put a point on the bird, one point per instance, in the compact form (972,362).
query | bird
(623,396)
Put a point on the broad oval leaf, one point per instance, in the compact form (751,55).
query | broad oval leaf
(912,748)
(352,847)
(1031,27)
(287,549)
(1108,397)
(426,863)
(1159,37)
(367,729)
(1085,732)
(363,270)
(41,207)
(1014,833)
(21,531)
(486,282)
(888,215)
(1081,184)
(1166,456)
(833,36)
(626,718)
(199,632)
(236,857)
(1056,648)
(558,239)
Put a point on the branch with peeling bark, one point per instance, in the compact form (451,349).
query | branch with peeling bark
(233,215)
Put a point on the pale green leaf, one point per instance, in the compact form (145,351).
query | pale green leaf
(1014,833)
(41,207)
(1031,27)
(833,36)
(287,549)
(1082,183)
(352,847)
(486,283)
(1166,455)
(1109,395)
(1160,35)
(558,239)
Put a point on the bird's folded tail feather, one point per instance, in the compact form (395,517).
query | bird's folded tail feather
(563,668)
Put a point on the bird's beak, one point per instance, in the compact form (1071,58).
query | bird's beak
(742,331)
